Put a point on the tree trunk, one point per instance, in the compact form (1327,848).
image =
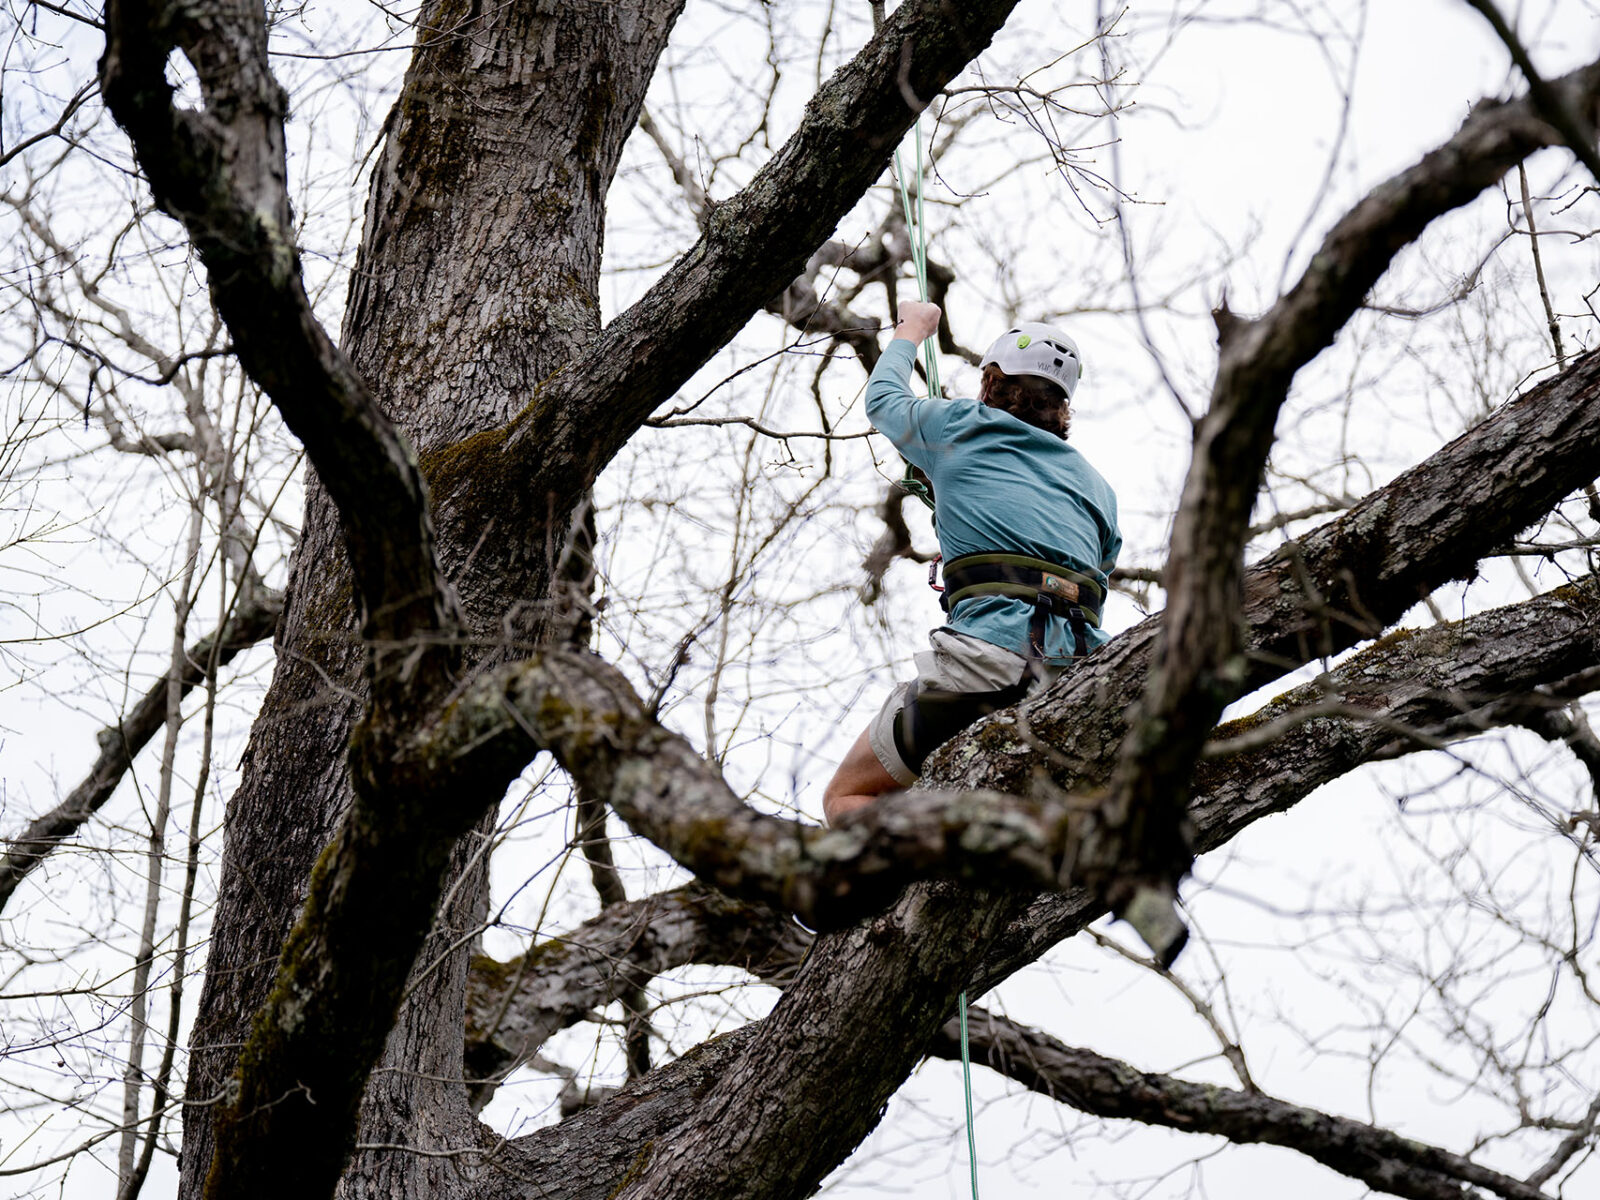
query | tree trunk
(477,278)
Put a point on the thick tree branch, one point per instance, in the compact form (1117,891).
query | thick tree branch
(254,622)
(1420,681)
(586,713)
(594,1151)
(513,1008)
(288,1120)
(1199,662)
(1107,1087)
(1494,661)
(1417,689)
(1431,691)
(815,1076)
(800,305)
(1555,106)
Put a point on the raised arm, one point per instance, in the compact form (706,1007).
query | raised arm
(894,410)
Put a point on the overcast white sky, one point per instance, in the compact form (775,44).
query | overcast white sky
(1227,149)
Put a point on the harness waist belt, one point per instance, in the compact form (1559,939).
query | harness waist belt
(1043,584)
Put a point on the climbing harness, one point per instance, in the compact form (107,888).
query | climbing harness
(1023,578)
(1050,588)
(930,718)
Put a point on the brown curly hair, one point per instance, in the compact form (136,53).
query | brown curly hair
(1039,402)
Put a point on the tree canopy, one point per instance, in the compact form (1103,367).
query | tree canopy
(598,570)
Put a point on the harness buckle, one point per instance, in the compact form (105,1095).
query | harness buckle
(1058,586)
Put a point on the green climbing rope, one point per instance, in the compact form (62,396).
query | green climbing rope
(966,1085)
(916,230)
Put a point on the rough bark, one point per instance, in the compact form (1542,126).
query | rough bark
(477,277)
(1407,692)
(588,1156)
(813,1081)
(514,1007)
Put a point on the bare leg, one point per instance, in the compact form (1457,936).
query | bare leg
(860,780)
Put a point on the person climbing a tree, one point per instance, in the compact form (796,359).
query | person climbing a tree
(1027,531)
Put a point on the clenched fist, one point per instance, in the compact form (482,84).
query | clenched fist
(919,321)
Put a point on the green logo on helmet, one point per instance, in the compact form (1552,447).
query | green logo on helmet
(1022,342)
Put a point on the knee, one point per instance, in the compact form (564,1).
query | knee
(837,796)
(859,780)
(838,804)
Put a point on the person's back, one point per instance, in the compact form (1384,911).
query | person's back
(1028,531)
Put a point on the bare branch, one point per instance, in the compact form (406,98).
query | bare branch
(1227,1043)
(1281,520)
(514,1007)
(893,543)
(1199,664)
(222,172)
(1107,1087)
(1570,1145)
(53,129)
(1555,105)
(254,622)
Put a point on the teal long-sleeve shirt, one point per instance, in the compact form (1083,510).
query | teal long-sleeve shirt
(1002,485)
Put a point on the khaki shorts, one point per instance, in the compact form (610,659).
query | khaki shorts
(958,664)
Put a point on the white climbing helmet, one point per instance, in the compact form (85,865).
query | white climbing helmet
(1043,351)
